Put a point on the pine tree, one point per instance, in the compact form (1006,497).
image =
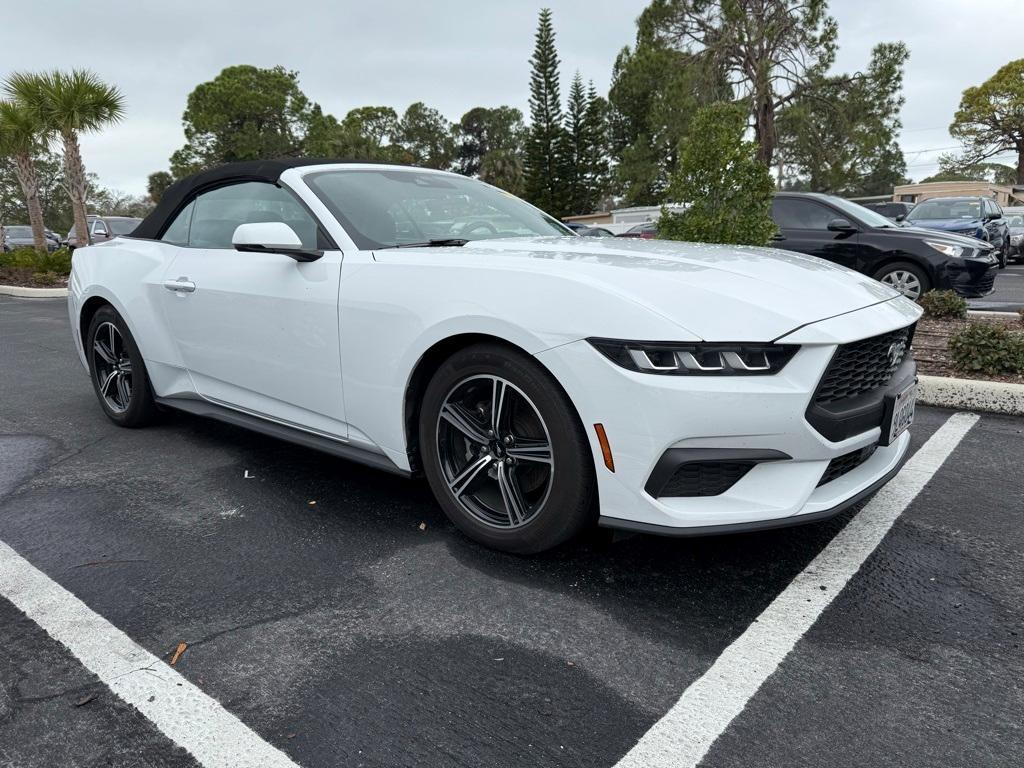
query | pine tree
(595,160)
(577,150)
(545,164)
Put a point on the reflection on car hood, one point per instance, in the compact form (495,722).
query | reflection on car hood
(717,292)
(938,235)
(953,225)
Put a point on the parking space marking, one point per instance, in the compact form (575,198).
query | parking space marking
(684,735)
(189,717)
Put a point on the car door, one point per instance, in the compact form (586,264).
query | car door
(256,331)
(803,227)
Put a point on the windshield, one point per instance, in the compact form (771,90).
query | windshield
(389,207)
(932,210)
(866,215)
(1015,221)
(122,226)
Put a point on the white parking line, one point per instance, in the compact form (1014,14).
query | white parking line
(683,737)
(189,717)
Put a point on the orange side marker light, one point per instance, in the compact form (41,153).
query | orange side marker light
(606,449)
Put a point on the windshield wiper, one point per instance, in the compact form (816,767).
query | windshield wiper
(435,243)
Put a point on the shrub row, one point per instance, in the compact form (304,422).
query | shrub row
(987,349)
(942,304)
(58,262)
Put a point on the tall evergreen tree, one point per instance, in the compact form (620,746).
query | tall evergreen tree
(596,170)
(545,165)
(577,149)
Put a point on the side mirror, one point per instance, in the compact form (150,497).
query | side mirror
(992,216)
(272,237)
(900,217)
(841,225)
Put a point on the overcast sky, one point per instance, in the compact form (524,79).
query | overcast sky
(452,54)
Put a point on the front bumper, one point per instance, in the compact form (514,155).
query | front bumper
(646,415)
(970,278)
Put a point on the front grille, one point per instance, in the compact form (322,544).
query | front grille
(848,462)
(705,478)
(863,366)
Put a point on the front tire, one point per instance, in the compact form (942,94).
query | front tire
(504,452)
(909,279)
(118,371)
(1004,254)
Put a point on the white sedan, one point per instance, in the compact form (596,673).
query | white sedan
(422,322)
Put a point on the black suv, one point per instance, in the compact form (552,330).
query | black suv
(895,210)
(913,261)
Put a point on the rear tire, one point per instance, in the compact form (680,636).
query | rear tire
(519,477)
(909,279)
(118,372)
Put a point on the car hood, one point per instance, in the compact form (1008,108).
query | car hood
(716,292)
(937,235)
(951,225)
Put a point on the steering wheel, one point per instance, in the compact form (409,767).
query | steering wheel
(484,226)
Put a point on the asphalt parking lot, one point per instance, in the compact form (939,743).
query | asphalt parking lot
(1008,295)
(363,630)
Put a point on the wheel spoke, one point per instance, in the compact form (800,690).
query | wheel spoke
(511,494)
(530,450)
(461,483)
(112,334)
(459,417)
(124,391)
(105,384)
(106,354)
(497,404)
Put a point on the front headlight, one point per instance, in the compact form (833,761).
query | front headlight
(953,251)
(1016,239)
(697,359)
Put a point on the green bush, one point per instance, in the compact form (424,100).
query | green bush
(940,304)
(988,349)
(58,262)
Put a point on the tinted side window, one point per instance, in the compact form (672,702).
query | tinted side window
(789,213)
(220,211)
(177,233)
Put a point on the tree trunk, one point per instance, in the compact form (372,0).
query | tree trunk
(1020,163)
(25,170)
(78,187)
(764,129)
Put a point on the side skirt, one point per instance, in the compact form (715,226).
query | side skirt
(210,410)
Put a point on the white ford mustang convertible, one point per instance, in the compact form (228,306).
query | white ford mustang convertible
(423,322)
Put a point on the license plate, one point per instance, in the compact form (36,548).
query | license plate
(903,412)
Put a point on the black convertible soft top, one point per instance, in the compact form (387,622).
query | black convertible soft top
(174,198)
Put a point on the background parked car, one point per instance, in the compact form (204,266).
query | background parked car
(104,228)
(646,231)
(20,236)
(977,217)
(894,210)
(595,232)
(913,261)
(1016,224)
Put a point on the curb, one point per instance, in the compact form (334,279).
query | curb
(32,293)
(992,312)
(972,394)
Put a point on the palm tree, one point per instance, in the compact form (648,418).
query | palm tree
(21,137)
(68,104)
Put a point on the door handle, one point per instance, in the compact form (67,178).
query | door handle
(777,238)
(181,285)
